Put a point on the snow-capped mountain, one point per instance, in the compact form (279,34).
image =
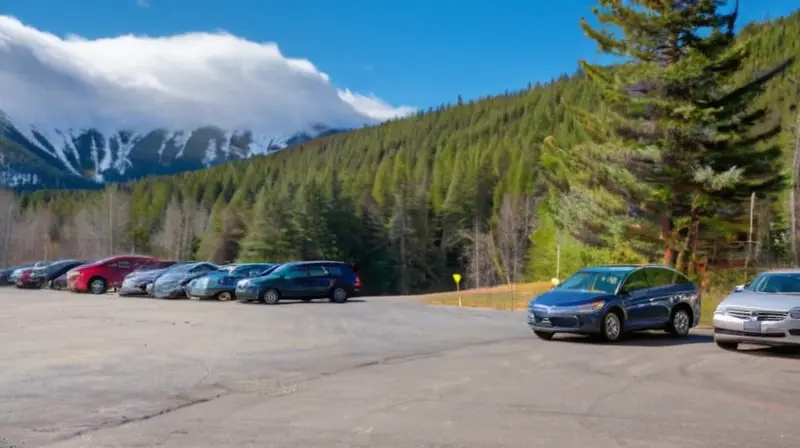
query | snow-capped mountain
(37,157)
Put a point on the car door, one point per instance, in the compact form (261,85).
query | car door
(123,267)
(319,281)
(635,299)
(663,294)
(295,282)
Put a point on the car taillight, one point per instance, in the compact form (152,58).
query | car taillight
(358,282)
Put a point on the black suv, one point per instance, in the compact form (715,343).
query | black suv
(304,280)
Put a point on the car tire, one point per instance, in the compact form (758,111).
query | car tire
(338,295)
(271,296)
(544,335)
(679,323)
(611,328)
(727,345)
(98,285)
(224,296)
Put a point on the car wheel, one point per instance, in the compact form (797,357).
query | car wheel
(339,295)
(612,327)
(545,335)
(271,296)
(727,345)
(680,323)
(98,286)
(224,296)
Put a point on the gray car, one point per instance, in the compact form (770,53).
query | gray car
(765,311)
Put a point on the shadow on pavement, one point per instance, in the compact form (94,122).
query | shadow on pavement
(773,352)
(643,339)
(317,302)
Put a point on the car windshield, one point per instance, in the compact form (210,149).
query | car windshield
(282,269)
(593,281)
(776,284)
(182,268)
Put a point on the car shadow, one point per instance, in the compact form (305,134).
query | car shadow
(641,339)
(772,352)
(300,302)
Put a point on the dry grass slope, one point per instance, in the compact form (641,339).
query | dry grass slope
(505,297)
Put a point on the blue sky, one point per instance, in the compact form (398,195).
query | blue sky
(416,52)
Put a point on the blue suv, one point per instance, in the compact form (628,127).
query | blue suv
(611,300)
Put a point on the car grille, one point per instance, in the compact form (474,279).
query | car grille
(767,316)
(557,321)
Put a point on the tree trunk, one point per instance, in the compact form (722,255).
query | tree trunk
(794,191)
(666,236)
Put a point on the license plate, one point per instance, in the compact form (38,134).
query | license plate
(752,326)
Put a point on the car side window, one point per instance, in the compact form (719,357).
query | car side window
(660,277)
(112,265)
(296,273)
(335,271)
(124,264)
(317,271)
(681,279)
(636,281)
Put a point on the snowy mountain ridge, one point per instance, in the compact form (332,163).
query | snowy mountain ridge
(34,156)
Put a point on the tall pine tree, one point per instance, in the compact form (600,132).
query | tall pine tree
(676,94)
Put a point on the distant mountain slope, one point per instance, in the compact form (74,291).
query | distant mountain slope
(32,157)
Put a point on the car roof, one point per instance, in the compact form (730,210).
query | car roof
(301,263)
(782,271)
(630,267)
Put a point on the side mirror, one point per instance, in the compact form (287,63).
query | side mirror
(738,288)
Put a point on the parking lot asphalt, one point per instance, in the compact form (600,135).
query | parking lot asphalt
(81,370)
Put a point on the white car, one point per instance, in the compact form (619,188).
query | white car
(765,311)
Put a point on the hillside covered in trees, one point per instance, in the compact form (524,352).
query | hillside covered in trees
(486,188)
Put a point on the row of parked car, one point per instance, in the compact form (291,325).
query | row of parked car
(132,275)
(609,301)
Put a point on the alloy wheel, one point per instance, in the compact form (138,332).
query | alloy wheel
(612,327)
(680,323)
(339,295)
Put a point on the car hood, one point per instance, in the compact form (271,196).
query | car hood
(762,301)
(146,275)
(557,297)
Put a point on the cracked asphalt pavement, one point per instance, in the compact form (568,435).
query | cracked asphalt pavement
(88,371)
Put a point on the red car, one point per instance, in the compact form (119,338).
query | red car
(101,275)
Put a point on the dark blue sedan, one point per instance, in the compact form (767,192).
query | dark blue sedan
(611,300)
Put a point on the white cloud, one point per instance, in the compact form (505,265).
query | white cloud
(181,82)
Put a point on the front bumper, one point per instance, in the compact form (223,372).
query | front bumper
(30,283)
(75,285)
(248,294)
(557,322)
(208,292)
(173,293)
(732,329)
(132,290)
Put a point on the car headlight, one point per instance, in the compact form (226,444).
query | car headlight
(590,307)
(794,313)
(719,310)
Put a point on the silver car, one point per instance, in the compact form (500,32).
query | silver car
(765,311)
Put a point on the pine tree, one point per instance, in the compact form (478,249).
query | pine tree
(677,95)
